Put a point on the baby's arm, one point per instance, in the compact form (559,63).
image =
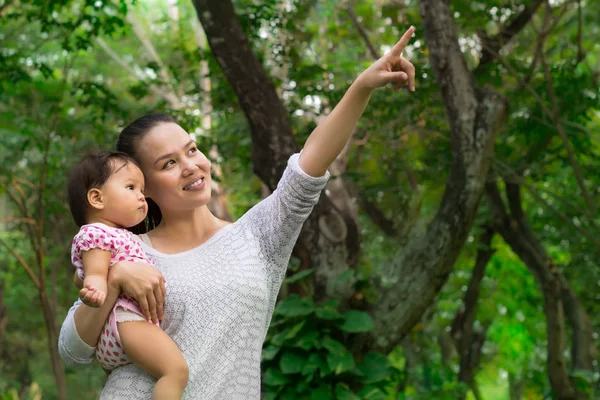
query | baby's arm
(95,269)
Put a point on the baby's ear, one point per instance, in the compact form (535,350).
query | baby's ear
(94,197)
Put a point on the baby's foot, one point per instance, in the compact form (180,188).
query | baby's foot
(92,296)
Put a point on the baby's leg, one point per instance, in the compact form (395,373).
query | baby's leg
(151,349)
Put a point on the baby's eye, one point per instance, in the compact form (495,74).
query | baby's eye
(130,187)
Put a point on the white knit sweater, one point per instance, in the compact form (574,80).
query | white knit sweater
(220,298)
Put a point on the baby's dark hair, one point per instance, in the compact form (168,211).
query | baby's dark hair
(92,171)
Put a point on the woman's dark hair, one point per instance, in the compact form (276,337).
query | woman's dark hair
(127,143)
(92,171)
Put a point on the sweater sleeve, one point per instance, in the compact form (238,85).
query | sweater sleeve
(71,348)
(277,220)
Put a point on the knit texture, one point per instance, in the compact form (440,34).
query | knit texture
(220,298)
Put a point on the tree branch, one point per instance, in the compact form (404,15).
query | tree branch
(350,10)
(21,204)
(553,115)
(29,221)
(580,54)
(571,154)
(23,263)
(171,98)
(512,176)
(469,341)
(142,37)
(491,45)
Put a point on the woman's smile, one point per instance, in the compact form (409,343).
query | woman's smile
(198,184)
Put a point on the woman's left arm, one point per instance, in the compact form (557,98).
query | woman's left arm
(331,135)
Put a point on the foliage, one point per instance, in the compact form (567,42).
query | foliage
(305,356)
(62,93)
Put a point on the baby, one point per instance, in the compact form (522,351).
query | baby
(106,196)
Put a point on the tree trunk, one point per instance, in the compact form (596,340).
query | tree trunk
(518,235)
(469,340)
(52,331)
(333,233)
(3,316)
(583,351)
(474,115)
(424,267)
(515,387)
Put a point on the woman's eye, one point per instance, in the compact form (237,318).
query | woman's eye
(193,150)
(168,163)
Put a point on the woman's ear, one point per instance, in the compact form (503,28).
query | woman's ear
(95,199)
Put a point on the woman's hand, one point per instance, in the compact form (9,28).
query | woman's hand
(391,68)
(331,135)
(144,283)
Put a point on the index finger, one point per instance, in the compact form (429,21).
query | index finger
(399,47)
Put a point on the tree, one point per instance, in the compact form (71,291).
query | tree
(474,116)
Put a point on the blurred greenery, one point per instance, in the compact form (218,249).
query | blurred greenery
(73,72)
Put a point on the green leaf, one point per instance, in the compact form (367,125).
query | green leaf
(269,353)
(323,392)
(312,363)
(295,329)
(343,392)
(294,306)
(339,358)
(324,369)
(288,394)
(300,275)
(302,386)
(357,321)
(375,367)
(349,274)
(340,361)
(334,346)
(274,377)
(308,341)
(291,362)
(328,311)
(268,395)
(371,393)
(279,338)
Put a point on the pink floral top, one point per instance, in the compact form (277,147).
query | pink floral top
(121,243)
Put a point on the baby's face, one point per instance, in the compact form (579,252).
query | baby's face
(123,195)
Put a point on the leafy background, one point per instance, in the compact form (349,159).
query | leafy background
(73,72)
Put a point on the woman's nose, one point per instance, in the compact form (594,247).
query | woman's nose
(189,167)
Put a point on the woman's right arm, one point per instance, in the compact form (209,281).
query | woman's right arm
(83,325)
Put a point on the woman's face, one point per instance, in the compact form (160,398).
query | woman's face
(177,173)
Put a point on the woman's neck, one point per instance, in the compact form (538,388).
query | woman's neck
(185,230)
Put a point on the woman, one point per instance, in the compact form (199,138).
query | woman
(223,279)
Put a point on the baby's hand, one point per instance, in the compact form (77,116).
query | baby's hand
(92,296)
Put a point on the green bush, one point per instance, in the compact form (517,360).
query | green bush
(306,354)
